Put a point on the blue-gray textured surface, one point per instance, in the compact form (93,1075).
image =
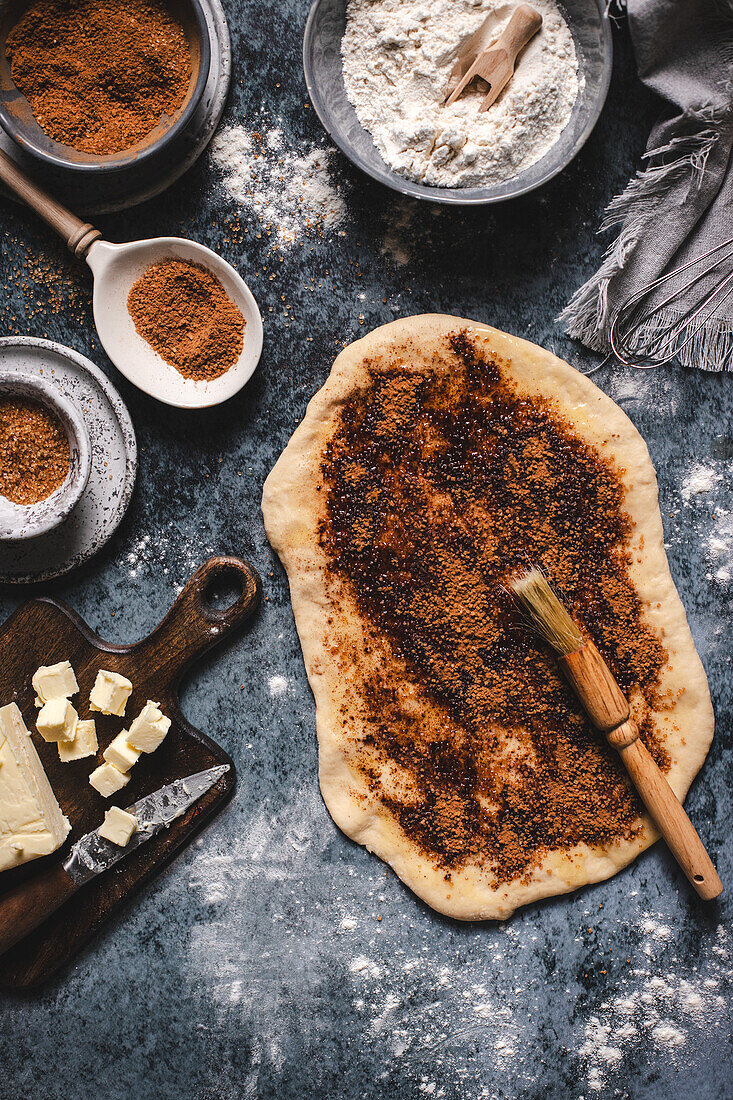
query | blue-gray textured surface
(256,965)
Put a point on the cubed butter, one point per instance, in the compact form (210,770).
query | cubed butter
(121,755)
(54,682)
(57,720)
(84,743)
(110,693)
(149,728)
(118,826)
(107,779)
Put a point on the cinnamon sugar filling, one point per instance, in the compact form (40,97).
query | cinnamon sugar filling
(437,485)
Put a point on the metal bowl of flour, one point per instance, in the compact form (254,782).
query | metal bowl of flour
(324,30)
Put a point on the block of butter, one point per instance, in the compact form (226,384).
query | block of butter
(31,821)
(149,728)
(107,779)
(84,744)
(121,755)
(57,720)
(54,682)
(118,826)
(110,693)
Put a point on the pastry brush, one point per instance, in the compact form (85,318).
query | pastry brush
(608,709)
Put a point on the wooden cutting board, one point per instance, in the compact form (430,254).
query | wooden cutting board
(44,631)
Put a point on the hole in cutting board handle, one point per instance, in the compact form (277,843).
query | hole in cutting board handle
(223,590)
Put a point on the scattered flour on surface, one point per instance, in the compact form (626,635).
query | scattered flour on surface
(277,685)
(719,547)
(442,1011)
(397,57)
(292,193)
(701,479)
(656,1005)
(166,552)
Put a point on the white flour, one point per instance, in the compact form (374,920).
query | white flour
(444,1011)
(397,56)
(291,193)
(701,479)
(657,1006)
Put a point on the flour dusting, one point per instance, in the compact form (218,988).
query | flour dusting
(292,193)
(166,552)
(701,479)
(397,57)
(277,685)
(656,1005)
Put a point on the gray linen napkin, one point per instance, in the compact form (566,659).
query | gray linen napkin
(681,204)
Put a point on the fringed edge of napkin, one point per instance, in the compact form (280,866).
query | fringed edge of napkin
(586,316)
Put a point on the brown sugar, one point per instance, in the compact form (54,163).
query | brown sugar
(100,75)
(183,311)
(34,451)
(438,485)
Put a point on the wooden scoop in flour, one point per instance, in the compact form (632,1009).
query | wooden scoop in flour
(494,62)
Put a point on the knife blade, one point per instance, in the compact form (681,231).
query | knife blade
(92,854)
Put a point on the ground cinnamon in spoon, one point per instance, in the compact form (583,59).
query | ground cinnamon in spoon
(100,75)
(34,451)
(183,311)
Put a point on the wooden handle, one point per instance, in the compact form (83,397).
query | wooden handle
(79,235)
(495,64)
(194,624)
(30,904)
(608,710)
(523,25)
(670,818)
(602,699)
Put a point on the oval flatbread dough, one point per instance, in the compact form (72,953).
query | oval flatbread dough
(408,767)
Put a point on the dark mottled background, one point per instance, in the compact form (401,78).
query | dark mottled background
(275,958)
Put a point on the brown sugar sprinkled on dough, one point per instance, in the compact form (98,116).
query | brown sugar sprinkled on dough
(100,75)
(183,311)
(34,451)
(438,485)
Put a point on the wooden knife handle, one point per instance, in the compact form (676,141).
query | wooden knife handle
(30,904)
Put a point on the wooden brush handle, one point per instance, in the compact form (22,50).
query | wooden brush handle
(79,235)
(669,816)
(608,709)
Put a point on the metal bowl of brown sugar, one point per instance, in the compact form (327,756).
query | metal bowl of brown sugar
(45,456)
(102,91)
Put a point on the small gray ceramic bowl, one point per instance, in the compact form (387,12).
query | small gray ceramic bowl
(17,119)
(324,30)
(26,521)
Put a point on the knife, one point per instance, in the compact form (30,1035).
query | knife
(30,904)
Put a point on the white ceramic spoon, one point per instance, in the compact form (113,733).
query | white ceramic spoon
(115,268)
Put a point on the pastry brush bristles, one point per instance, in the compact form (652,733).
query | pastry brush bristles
(546,612)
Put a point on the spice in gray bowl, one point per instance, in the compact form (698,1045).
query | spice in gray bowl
(25,518)
(126,164)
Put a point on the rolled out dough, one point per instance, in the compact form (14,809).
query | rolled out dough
(341,651)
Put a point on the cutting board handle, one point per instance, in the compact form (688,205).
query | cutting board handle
(194,624)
